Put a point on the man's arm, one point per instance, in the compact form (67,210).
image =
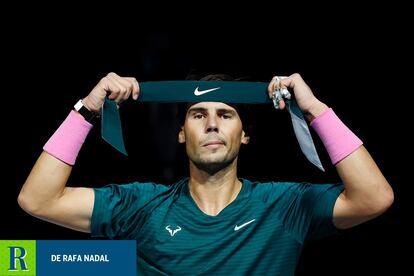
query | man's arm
(44,194)
(367,193)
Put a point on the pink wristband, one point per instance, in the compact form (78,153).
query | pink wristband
(339,141)
(66,142)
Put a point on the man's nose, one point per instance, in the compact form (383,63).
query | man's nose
(212,124)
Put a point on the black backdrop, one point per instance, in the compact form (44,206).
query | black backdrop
(352,70)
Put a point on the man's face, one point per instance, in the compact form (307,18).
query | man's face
(213,134)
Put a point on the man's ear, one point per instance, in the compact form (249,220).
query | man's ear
(245,138)
(181,136)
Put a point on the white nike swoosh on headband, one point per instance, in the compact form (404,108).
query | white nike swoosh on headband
(201,92)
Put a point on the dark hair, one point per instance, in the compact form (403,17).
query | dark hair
(242,109)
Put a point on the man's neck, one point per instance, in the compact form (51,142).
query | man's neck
(213,193)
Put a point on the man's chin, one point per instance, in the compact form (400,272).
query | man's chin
(211,159)
(212,165)
(214,160)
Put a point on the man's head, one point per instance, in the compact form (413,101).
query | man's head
(212,131)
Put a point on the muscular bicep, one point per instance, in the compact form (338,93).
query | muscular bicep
(73,209)
(346,214)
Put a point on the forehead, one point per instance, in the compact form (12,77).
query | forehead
(210,105)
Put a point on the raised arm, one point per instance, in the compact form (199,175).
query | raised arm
(367,193)
(45,194)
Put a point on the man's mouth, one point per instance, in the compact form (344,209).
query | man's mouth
(213,144)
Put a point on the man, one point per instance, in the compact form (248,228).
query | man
(212,222)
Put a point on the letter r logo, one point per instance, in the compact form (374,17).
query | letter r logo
(18,256)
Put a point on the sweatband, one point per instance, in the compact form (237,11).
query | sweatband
(67,140)
(206,91)
(338,139)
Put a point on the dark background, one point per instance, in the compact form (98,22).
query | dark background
(354,64)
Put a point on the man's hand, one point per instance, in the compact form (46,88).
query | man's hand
(115,87)
(307,102)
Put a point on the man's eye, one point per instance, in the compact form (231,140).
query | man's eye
(198,116)
(226,116)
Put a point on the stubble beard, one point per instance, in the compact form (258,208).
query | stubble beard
(213,167)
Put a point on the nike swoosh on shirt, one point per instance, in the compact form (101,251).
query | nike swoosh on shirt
(201,92)
(236,228)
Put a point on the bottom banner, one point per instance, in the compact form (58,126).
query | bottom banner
(67,257)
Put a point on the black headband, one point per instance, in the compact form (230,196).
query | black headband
(206,91)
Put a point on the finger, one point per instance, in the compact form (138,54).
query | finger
(271,87)
(126,91)
(290,81)
(112,89)
(111,86)
(277,89)
(113,94)
(116,82)
(282,104)
(123,91)
(123,84)
(135,88)
(124,88)
(107,84)
(120,98)
(132,87)
(126,95)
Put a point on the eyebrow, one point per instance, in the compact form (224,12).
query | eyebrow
(218,110)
